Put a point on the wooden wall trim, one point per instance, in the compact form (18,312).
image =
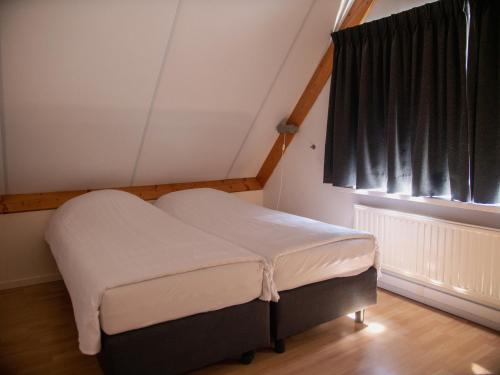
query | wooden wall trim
(354,17)
(46,201)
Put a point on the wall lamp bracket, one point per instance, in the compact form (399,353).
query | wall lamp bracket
(285,128)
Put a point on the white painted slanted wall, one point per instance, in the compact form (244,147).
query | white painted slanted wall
(99,94)
(109,93)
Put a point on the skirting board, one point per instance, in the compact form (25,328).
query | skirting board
(11,284)
(474,312)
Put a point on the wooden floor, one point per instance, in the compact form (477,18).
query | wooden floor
(38,336)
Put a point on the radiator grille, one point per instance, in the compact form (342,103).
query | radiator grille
(458,258)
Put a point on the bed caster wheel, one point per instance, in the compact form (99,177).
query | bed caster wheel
(247,357)
(279,346)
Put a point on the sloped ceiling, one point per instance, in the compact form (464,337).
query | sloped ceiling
(102,93)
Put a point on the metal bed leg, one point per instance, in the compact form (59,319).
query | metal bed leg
(359,316)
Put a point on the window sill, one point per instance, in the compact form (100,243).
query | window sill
(426,200)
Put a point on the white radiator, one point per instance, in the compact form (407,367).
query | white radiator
(459,259)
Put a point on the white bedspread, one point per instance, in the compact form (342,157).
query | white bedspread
(272,234)
(110,238)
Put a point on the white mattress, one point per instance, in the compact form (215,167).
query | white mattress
(299,251)
(337,259)
(172,297)
(111,243)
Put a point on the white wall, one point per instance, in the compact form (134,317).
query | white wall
(384,8)
(111,93)
(25,258)
(77,83)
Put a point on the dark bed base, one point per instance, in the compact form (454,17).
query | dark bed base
(302,308)
(189,343)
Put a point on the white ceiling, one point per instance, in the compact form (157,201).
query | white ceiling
(109,93)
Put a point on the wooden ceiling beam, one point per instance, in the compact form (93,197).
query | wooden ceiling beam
(354,17)
(47,201)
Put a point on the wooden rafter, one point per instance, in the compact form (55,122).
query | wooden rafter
(46,201)
(356,15)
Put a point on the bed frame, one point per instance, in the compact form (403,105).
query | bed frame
(189,343)
(302,308)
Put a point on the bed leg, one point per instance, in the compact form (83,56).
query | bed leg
(247,357)
(279,346)
(359,316)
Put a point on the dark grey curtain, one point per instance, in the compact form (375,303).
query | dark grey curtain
(398,110)
(484,100)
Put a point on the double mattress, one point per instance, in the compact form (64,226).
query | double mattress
(298,251)
(128,265)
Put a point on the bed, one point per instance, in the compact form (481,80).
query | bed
(154,295)
(318,271)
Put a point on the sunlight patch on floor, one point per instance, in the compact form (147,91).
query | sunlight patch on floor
(375,328)
(372,327)
(479,370)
